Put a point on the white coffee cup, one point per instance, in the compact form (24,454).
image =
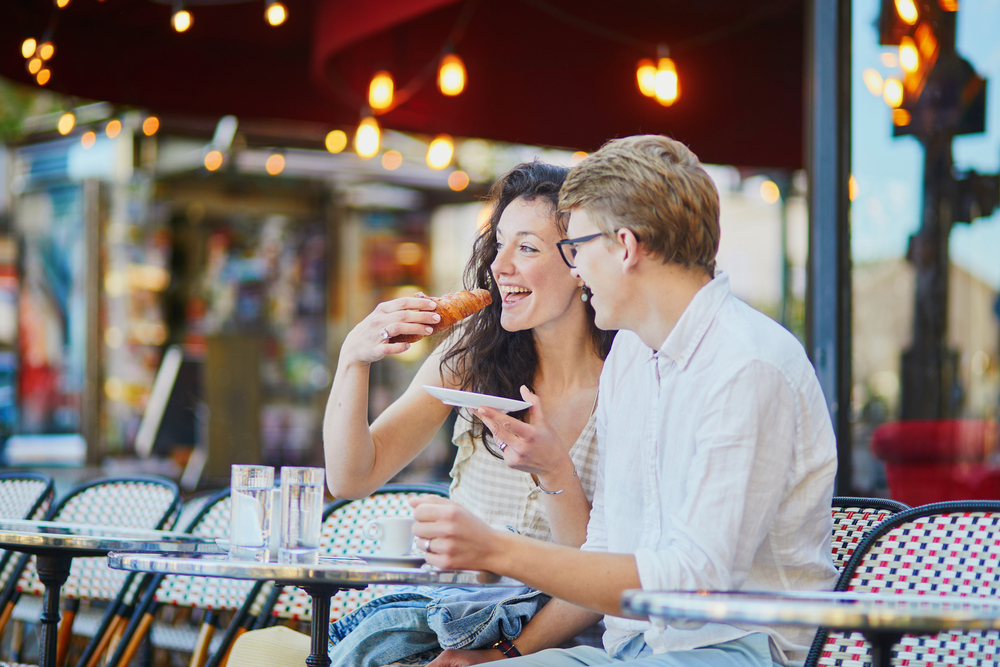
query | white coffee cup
(394,534)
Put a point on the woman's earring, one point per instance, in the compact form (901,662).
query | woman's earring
(585,294)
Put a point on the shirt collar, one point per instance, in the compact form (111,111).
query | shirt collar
(690,329)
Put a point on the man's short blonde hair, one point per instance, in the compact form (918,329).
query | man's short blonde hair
(656,187)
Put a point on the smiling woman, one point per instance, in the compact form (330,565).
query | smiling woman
(536,333)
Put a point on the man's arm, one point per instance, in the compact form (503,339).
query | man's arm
(556,623)
(459,540)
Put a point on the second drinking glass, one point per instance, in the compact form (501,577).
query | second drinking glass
(301,515)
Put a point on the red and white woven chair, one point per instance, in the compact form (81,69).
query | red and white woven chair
(132,502)
(853,518)
(948,548)
(23,495)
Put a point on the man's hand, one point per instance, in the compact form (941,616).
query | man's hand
(452,537)
(462,657)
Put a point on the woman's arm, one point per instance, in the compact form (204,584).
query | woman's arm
(536,448)
(360,459)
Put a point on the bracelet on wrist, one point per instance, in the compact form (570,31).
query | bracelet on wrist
(551,493)
(508,649)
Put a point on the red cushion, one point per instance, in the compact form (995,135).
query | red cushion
(921,483)
(939,441)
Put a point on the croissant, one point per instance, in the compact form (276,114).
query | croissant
(452,308)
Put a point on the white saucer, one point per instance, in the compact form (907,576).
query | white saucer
(223,543)
(376,560)
(468,399)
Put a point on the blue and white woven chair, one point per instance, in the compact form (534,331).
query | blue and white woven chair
(133,502)
(206,597)
(853,518)
(948,548)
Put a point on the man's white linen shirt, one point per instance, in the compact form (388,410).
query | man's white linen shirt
(717,462)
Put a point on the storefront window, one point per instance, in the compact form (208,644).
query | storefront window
(925,237)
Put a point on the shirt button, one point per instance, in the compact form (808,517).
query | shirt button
(533,495)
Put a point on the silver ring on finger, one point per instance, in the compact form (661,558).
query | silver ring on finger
(427,545)
(384,334)
(502,445)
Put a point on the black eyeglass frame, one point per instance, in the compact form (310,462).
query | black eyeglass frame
(569,246)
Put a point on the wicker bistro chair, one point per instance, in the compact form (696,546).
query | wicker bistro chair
(133,502)
(23,495)
(342,534)
(204,597)
(948,548)
(853,518)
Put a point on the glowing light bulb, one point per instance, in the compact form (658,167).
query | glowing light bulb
(668,87)
(34,65)
(645,76)
(61,3)
(440,151)
(907,11)
(43,77)
(892,92)
(380,91)
(213,160)
(451,75)
(28,47)
(275,164)
(181,20)
(367,138)
(900,117)
(577,157)
(873,81)
(88,139)
(276,13)
(336,141)
(113,128)
(392,160)
(458,180)
(909,57)
(150,126)
(769,192)
(66,123)
(46,50)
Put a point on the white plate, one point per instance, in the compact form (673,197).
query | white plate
(376,560)
(468,399)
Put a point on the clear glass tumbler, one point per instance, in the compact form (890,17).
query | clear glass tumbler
(250,518)
(301,515)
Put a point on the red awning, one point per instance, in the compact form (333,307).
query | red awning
(548,72)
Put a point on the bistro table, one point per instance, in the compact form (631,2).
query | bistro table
(882,619)
(321,581)
(55,545)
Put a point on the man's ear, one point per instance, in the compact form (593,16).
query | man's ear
(630,245)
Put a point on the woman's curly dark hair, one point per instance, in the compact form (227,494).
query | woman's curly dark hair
(488,358)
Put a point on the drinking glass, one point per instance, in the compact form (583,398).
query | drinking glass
(301,515)
(250,518)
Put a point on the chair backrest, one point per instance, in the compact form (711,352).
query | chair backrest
(133,502)
(23,495)
(948,548)
(852,519)
(343,535)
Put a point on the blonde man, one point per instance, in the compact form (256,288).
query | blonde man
(717,455)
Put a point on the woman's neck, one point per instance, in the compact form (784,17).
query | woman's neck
(567,359)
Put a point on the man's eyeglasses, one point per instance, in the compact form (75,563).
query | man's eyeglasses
(568,247)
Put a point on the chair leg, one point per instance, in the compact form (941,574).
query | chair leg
(136,640)
(16,640)
(114,630)
(225,658)
(8,609)
(200,653)
(70,609)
